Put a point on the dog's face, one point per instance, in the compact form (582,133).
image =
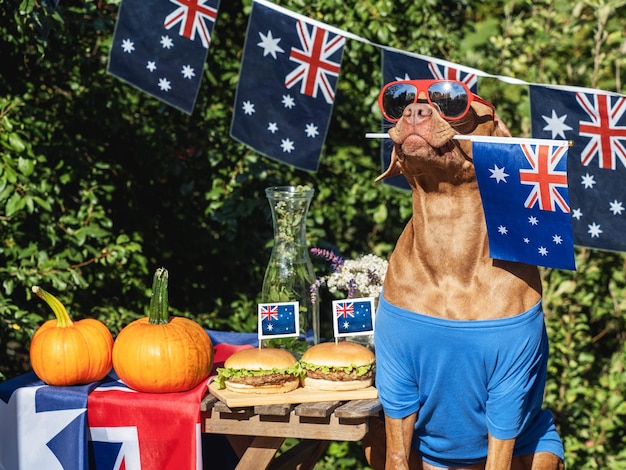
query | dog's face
(424,146)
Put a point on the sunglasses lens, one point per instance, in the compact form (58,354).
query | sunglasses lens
(397,97)
(450,97)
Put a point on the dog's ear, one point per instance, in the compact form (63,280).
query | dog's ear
(500,128)
(392,170)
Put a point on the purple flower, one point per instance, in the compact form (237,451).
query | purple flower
(328,255)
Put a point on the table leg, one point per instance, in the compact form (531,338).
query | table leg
(303,456)
(239,444)
(260,453)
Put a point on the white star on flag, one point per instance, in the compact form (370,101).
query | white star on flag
(311,130)
(556,125)
(287,145)
(288,101)
(248,107)
(269,44)
(616,207)
(594,230)
(128,46)
(167,42)
(188,71)
(164,84)
(498,174)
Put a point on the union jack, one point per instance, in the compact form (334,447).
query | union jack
(269,312)
(544,177)
(314,59)
(192,16)
(345,310)
(608,140)
(445,72)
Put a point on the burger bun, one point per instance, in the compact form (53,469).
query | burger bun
(260,358)
(336,385)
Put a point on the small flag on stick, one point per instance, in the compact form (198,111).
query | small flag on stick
(353,317)
(523,186)
(279,320)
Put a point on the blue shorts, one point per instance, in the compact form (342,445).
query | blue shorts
(465,379)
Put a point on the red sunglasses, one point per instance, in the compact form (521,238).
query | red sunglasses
(450,98)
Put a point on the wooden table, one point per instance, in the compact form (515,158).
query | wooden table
(257,432)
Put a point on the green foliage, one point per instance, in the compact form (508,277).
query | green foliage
(587,329)
(101,184)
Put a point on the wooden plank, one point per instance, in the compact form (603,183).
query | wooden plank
(320,409)
(329,428)
(358,409)
(207,402)
(260,453)
(273,410)
(221,407)
(299,395)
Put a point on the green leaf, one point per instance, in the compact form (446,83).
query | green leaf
(15,203)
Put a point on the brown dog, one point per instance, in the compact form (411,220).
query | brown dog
(441,273)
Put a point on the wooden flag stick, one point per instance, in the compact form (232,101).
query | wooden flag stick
(510,140)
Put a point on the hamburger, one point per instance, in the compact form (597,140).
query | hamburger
(337,366)
(259,370)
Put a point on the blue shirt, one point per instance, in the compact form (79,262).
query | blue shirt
(465,379)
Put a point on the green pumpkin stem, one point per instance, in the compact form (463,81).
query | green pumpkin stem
(63,318)
(158,302)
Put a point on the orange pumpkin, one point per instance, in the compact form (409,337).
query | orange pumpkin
(158,354)
(63,352)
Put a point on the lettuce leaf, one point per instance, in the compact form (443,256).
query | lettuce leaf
(224,374)
(360,370)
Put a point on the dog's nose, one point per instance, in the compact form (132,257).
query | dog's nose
(417,112)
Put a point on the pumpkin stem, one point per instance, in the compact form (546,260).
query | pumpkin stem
(63,318)
(158,302)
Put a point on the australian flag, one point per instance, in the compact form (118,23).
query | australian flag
(286,86)
(43,427)
(161,46)
(102,425)
(279,320)
(353,316)
(399,65)
(131,430)
(596,123)
(523,186)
